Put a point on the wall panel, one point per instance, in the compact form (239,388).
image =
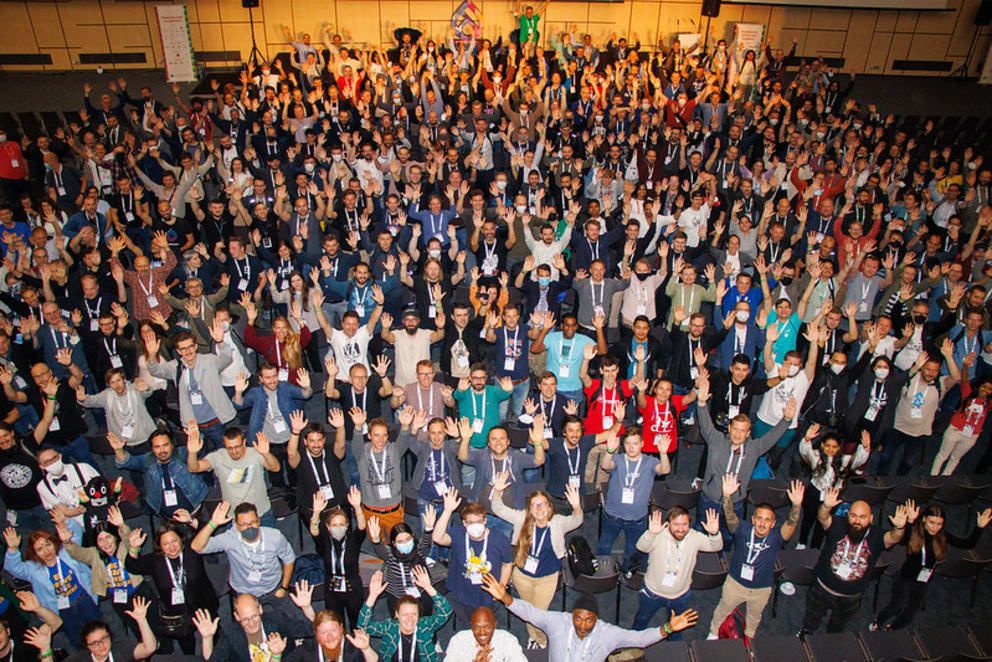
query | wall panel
(869,40)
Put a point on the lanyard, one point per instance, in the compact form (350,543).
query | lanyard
(678,558)
(252,553)
(485,545)
(247,273)
(420,399)
(753,550)
(550,410)
(572,640)
(437,465)
(475,412)
(573,469)
(335,559)
(177,579)
(510,350)
(507,466)
(278,355)
(741,394)
(91,312)
(55,337)
(110,352)
(632,475)
(969,347)
(313,465)
(116,563)
(593,250)
(535,545)
(379,472)
(658,416)
(60,577)
(611,402)
(730,461)
(602,293)
(857,551)
(413,648)
(354,399)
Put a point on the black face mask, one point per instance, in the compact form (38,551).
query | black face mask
(919,319)
(642,276)
(787,280)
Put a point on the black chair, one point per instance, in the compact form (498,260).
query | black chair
(710,571)
(99,445)
(674,492)
(519,437)
(795,566)
(282,510)
(719,650)
(536,655)
(838,647)
(917,488)
(895,556)
(959,490)
(890,646)
(778,648)
(946,642)
(31,124)
(592,503)
(870,490)
(767,490)
(964,567)
(983,637)
(606,579)
(667,651)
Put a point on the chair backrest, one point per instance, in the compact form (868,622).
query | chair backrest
(872,493)
(945,642)
(767,490)
(605,579)
(519,437)
(710,571)
(910,488)
(99,445)
(719,650)
(778,648)
(957,490)
(961,567)
(838,647)
(890,645)
(667,651)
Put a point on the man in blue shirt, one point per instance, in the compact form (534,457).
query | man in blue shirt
(512,355)
(756,547)
(565,350)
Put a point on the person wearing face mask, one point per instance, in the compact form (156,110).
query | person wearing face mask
(830,467)
(826,401)
(63,482)
(339,544)
(181,579)
(639,297)
(261,558)
(408,635)
(873,405)
(404,553)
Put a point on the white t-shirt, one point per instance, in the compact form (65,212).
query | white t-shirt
(350,351)
(774,401)
(409,351)
(691,221)
(229,375)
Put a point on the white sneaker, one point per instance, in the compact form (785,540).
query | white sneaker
(800,546)
(711,637)
(787,588)
(429,562)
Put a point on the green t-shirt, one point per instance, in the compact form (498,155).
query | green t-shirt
(528,27)
(483,407)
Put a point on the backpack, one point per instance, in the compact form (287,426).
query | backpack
(309,567)
(581,560)
(733,626)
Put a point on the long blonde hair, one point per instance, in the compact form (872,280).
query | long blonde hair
(527,530)
(290,348)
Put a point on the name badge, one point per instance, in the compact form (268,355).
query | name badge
(279,425)
(412,591)
(171,499)
(178,596)
(384,491)
(61,191)
(243,285)
(196,398)
(475,578)
(844,571)
(607,422)
(669,579)
(12,518)
(129,216)
(63,602)
(284,374)
(120,596)
(339,584)
(747,572)
(431,312)
(152,301)
(327,492)
(128,431)
(441,487)
(360,310)
(55,426)
(14,163)
(255,576)
(548,433)
(733,410)
(115,361)
(642,309)
(693,372)
(509,364)
(530,565)
(916,412)
(575,480)
(477,426)
(627,495)
(94,325)
(562,371)
(924,575)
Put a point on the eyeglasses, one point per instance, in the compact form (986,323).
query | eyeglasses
(244,620)
(102,641)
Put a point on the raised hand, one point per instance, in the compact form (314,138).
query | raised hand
(12,538)
(452,500)
(730,484)
(712,523)
(684,620)
(831,498)
(205,626)
(302,595)
(796,491)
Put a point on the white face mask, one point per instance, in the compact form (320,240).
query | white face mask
(476,529)
(521,209)
(501,184)
(56,468)
(434,253)
(881,373)
(339,532)
(793,370)
(837,368)
(309,167)
(742,315)
(645,107)
(335,157)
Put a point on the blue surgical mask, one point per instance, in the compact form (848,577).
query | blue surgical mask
(404,547)
(543,281)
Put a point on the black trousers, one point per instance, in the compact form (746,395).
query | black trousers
(346,604)
(819,601)
(907,598)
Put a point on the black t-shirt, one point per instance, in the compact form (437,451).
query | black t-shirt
(19,478)
(175,233)
(844,566)
(369,400)
(326,469)
(70,421)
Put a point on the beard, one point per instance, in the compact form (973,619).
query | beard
(856,533)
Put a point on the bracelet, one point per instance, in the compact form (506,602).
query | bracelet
(51,397)
(48,654)
(212,525)
(277,656)
(667,628)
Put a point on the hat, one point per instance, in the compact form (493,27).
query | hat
(587,602)
(411,312)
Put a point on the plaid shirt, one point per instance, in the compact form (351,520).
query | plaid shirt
(389,631)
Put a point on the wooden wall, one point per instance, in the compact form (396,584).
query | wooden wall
(869,40)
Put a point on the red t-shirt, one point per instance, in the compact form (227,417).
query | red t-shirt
(974,416)
(12,165)
(661,419)
(600,410)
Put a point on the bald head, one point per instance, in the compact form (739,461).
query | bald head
(248,612)
(859,517)
(483,625)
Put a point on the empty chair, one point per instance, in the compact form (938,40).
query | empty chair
(710,571)
(767,490)
(674,492)
(667,651)
(795,566)
(965,567)
(917,488)
(869,490)
(519,437)
(983,637)
(959,490)
(946,642)
(719,650)
(890,645)
(30,124)
(838,647)
(778,648)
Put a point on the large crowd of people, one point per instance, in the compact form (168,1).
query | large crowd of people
(527,279)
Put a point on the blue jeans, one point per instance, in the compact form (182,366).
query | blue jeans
(79,450)
(705,503)
(649,603)
(501,525)
(32,519)
(267,519)
(632,530)
(516,400)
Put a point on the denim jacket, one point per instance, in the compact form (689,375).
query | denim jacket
(289,397)
(191,484)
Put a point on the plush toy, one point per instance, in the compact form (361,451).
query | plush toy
(97,496)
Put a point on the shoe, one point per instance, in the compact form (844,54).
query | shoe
(711,637)
(787,588)
(628,575)
(531,644)
(429,562)
(697,484)
(800,546)
(873,626)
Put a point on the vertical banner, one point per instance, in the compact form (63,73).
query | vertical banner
(687,40)
(751,35)
(177,46)
(466,22)
(985,78)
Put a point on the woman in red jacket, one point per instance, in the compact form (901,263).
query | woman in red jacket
(284,348)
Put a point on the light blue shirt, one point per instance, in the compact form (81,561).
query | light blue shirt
(266,556)
(571,349)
